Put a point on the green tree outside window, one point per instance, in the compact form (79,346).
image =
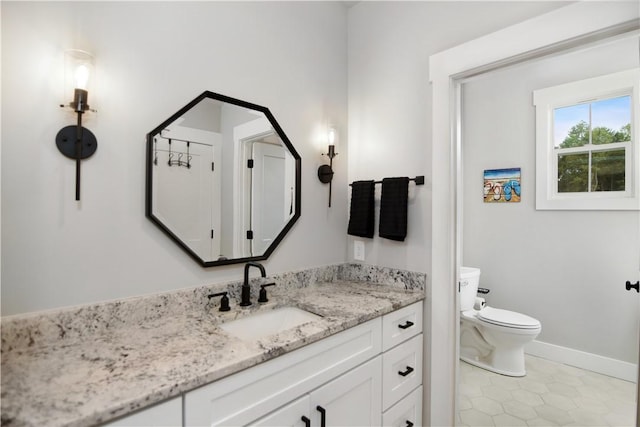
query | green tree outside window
(607,167)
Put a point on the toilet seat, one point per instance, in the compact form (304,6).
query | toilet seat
(506,318)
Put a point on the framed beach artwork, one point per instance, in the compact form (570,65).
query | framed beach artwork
(502,185)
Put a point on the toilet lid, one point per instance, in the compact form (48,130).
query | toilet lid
(507,318)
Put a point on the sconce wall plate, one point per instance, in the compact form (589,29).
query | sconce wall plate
(66,142)
(325,174)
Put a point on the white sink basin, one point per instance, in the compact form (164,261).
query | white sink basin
(268,322)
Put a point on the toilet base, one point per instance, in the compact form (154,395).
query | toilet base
(479,364)
(493,348)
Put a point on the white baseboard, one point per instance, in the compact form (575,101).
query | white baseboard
(581,359)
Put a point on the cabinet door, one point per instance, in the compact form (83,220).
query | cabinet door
(353,399)
(287,416)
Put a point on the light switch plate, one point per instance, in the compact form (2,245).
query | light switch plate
(358,250)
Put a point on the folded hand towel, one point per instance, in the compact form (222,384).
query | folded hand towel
(393,208)
(361,217)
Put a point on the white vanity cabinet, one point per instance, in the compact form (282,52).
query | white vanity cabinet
(253,394)
(295,414)
(352,399)
(402,367)
(406,413)
(165,414)
(367,375)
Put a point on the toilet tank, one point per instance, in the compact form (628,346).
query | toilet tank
(469,280)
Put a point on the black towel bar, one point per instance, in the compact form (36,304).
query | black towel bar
(419,180)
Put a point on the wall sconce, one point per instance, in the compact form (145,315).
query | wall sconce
(75,141)
(325,172)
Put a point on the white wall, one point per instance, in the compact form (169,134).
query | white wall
(565,268)
(390,134)
(151,59)
(390,100)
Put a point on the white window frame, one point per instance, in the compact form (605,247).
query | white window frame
(546,100)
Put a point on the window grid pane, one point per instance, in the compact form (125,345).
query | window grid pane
(573,173)
(571,126)
(607,170)
(589,125)
(611,120)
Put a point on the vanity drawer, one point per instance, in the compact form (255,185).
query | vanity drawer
(248,395)
(401,325)
(401,371)
(405,413)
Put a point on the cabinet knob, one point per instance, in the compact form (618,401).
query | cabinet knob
(409,423)
(307,421)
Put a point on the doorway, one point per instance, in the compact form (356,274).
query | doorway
(566,268)
(573,25)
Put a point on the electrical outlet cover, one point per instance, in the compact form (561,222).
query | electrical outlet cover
(358,250)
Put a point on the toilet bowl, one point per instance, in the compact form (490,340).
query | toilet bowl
(492,338)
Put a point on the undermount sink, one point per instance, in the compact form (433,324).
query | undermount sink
(270,322)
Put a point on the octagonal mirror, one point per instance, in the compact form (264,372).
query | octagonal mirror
(223,180)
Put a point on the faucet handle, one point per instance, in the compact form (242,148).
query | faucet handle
(263,292)
(224,301)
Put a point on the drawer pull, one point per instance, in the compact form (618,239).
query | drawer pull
(409,423)
(307,421)
(323,416)
(406,325)
(407,372)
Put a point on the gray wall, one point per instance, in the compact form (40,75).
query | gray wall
(151,59)
(565,268)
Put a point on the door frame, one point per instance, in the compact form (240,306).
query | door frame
(572,25)
(243,135)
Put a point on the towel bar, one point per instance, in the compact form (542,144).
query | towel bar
(419,180)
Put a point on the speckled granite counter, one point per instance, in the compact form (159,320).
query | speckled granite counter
(87,365)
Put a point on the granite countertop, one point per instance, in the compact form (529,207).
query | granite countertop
(93,377)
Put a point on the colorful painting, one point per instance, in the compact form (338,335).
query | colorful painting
(502,185)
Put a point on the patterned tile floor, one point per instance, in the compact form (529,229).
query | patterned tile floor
(551,394)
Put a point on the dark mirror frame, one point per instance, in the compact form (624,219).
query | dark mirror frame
(149,178)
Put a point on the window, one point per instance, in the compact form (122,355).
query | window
(587,154)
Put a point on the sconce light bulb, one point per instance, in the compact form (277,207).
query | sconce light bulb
(332,136)
(81,76)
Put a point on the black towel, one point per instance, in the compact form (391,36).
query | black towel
(393,208)
(361,216)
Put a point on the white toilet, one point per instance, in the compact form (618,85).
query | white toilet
(491,338)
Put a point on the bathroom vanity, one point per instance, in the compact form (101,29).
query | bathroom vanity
(358,363)
(356,377)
